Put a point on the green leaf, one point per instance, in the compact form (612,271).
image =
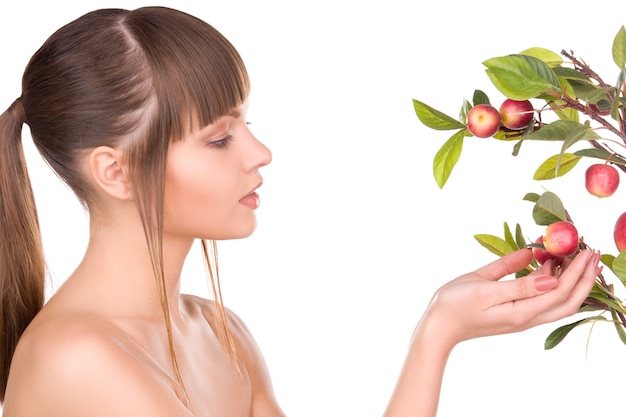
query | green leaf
(519,237)
(494,244)
(599,95)
(447,157)
(618,327)
(560,130)
(465,108)
(543,70)
(617,100)
(548,209)
(581,133)
(607,260)
(600,154)
(571,74)
(532,197)
(559,107)
(521,77)
(435,119)
(556,166)
(480,98)
(517,147)
(559,334)
(508,236)
(587,91)
(618,266)
(603,295)
(552,59)
(619,48)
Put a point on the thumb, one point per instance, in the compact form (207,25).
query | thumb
(507,264)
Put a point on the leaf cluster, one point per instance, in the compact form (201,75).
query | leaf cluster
(581,103)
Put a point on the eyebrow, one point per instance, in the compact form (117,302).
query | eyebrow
(235,113)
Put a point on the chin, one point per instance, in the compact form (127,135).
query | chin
(240,233)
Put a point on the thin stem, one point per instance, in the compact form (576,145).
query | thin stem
(584,68)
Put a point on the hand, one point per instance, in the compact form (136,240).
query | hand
(479,304)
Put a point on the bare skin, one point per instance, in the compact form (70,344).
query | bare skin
(99,346)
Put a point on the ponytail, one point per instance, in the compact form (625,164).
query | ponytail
(22,266)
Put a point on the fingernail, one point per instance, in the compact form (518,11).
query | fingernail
(545,283)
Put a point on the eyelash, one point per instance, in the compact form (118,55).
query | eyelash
(222,143)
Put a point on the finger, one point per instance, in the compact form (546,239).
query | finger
(574,269)
(565,299)
(569,302)
(506,265)
(546,268)
(524,287)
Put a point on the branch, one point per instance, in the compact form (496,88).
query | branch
(582,108)
(585,69)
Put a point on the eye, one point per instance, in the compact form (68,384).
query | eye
(222,143)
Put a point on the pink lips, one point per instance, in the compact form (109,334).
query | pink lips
(251,201)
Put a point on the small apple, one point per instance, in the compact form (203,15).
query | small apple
(619,232)
(601,180)
(516,114)
(541,255)
(483,120)
(561,238)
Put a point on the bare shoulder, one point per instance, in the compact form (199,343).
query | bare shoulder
(84,366)
(250,355)
(247,347)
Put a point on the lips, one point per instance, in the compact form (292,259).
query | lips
(251,200)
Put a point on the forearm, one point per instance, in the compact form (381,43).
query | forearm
(418,388)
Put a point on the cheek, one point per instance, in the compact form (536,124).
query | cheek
(193,196)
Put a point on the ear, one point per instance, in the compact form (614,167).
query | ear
(107,170)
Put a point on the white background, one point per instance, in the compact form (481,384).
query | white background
(354,236)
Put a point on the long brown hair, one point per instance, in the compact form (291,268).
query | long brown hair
(118,78)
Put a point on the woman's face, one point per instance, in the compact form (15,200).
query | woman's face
(211,179)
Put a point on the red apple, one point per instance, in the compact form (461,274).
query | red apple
(483,120)
(561,238)
(516,114)
(541,255)
(601,180)
(619,233)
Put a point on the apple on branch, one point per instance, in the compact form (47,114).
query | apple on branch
(619,232)
(601,180)
(540,254)
(516,114)
(561,238)
(483,120)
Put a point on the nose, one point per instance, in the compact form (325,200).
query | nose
(259,155)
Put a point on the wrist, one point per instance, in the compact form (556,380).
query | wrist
(436,332)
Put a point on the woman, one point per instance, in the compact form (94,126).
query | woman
(142,114)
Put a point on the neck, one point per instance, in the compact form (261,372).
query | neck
(118,272)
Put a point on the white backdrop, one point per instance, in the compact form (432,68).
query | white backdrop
(354,236)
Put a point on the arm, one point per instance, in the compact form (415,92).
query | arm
(478,304)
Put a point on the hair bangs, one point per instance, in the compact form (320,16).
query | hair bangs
(197,73)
